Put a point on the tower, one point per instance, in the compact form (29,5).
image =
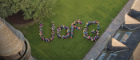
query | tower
(13,45)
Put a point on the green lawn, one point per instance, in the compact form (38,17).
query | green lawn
(67,11)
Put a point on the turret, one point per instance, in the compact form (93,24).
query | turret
(13,44)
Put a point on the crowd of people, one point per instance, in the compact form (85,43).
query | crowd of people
(85,32)
(75,27)
(59,29)
(41,33)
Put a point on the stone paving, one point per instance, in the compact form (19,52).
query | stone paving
(111,30)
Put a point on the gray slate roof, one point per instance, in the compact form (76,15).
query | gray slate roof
(132,43)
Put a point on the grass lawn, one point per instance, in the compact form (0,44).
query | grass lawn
(66,12)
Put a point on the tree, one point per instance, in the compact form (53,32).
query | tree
(31,8)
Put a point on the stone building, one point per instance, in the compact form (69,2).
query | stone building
(126,44)
(13,44)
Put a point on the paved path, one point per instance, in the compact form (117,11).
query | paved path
(111,30)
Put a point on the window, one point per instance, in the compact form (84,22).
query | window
(117,35)
(112,56)
(125,37)
(102,56)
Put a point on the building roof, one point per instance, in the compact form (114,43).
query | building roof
(135,9)
(136,53)
(115,45)
(132,20)
(129,20)
(131,23)
(136,5)
(132,43)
